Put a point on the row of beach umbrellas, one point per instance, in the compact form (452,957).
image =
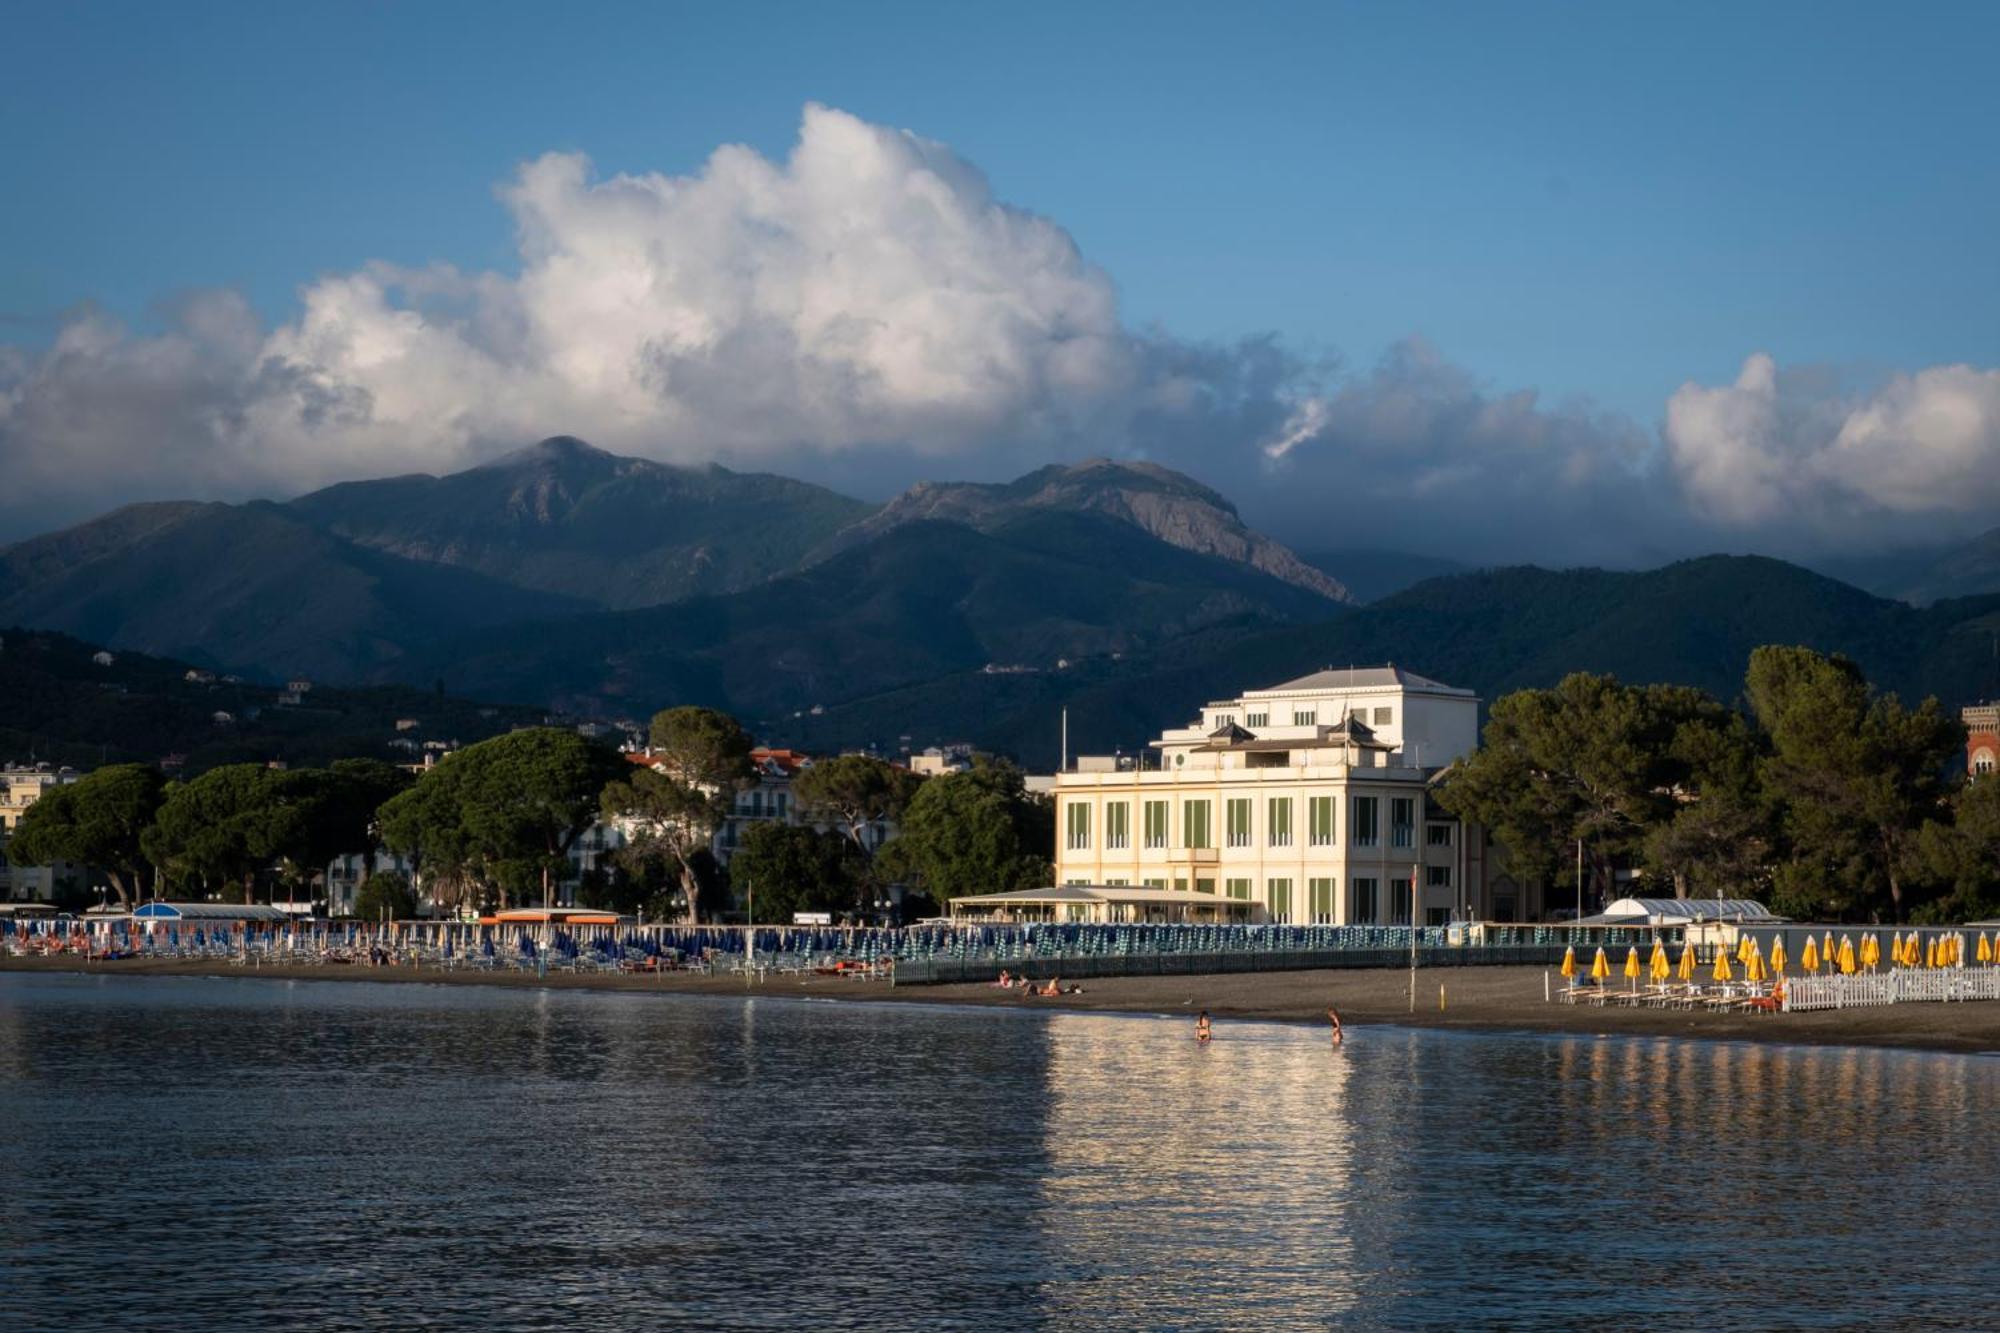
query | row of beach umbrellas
(1846,957)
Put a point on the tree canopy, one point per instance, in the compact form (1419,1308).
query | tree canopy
(779,869)
(973,832)
(96,821)
(1822,799)
(701,759)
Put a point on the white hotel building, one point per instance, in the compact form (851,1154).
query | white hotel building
(1306,803)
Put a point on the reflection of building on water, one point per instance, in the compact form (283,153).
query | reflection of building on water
(1308,802)
(1160,1148)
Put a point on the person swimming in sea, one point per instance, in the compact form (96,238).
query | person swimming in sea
(1334,1018)
(1201,1027)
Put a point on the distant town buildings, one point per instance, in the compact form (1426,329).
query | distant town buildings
(21,787)
(942,759)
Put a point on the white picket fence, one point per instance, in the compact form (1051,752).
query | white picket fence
(1896,987)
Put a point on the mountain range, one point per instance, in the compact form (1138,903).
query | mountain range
(562,576)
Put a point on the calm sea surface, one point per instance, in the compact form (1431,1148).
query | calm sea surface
(220,1154)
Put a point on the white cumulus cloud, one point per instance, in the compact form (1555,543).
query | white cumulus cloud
(1819,463)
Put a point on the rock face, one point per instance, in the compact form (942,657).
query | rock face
(1160,502)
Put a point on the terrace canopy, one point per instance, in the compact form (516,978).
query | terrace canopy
(1096,904)
(204,913)
(1682,912)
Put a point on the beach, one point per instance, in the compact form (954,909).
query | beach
(1474,999)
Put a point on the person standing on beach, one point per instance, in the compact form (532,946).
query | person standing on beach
(1201,1027)
(1334,1018)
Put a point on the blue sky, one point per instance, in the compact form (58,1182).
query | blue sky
(1593,200)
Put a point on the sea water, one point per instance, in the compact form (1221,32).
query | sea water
(238,1153)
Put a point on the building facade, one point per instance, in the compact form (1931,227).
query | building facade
(1982,738)
(19,789)
(1308,802)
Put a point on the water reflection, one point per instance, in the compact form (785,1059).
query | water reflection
(357,1156)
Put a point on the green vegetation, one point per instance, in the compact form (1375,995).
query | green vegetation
(1827,800)
(780,869)
(701,760)
(99,821)
(974,832)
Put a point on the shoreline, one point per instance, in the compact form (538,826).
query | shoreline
(1477,999)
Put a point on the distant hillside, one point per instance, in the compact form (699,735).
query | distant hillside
(247,586)
(562,517)
(1692,623)
(370,580)
(1370,574)
(59,705)
(1162,503)
(921,600)
(1920,577)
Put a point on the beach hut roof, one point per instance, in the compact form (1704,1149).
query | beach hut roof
(1680,912)
(208,912)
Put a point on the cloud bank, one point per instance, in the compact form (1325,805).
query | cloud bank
(867,311)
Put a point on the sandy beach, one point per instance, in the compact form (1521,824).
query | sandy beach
(1475,999)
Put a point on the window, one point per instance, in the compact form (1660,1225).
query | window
(1384,716)
(1194,824)
(1076,880)
(1238,889)
(1278,899)
(1180,883)
(1076,815)
(1117,825)
(1156,823)
(1158,883)
(1437,835)
(1238,813)
(1224,720)
(1364,825)
(1437,916)
(1257,720)
(1304,717)
(1364,902)
(1116,883)
(1399,902)
(1402,821)
(1319,820)
(1320,891)
(1437,877)
(1280,821)
(1204,884)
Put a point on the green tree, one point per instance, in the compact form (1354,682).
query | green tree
(853,792)
(1959,858)
(1857,775)
(505,812)
(970,833)
(1721,838)
(701,759)
(96,821)
(215,828)
(780,869)
(387,895)
(1592,761)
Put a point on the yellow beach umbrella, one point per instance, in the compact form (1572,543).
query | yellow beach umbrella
(1569,962)
(1754,969)
(1896,947)
(1744,946)
(1847,966)
(1958,950)
(1600,966)
(1809,960)
(1930,951)
(1984,950)
(1656,963)
(1685,969)
(1778,954)
(1632,963)
(1871,951)
(1721,972)
(1826,949)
